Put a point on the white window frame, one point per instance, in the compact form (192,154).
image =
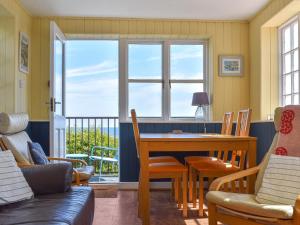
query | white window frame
(166,81)
(281,29)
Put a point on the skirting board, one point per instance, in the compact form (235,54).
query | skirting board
(134,185)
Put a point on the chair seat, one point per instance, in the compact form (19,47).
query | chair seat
(193,159)
(85,173)
(215,168)
(103,158)
(167,167)
(155,159)
(246,203)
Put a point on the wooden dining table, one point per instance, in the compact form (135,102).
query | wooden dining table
(186,142)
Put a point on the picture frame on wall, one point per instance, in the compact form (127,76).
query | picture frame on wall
(24,53)
(231,65)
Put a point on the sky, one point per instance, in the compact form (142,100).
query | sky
(92,78)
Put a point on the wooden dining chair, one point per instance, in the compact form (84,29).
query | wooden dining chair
(223,164)
(189,160)
(161,167)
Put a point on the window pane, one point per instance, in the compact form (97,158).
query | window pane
(296,99)
(296,82)
(287,84)
(288,100)
(181,99)
(186,61)
(287,39)
(295,31)
(287,63)
(296,61)
(146,99)
(92,78)
(145,61)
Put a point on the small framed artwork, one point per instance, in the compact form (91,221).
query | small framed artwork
(230,65)
(24,53)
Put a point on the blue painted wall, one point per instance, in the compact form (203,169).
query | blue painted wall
(129,165)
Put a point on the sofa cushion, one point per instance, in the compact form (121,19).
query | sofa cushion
(247,203)
(37,153)
(75,207)
(13,123)
(281,181)
(14,187)
(17,143)
(50,178)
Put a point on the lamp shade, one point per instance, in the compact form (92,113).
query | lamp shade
(200,98)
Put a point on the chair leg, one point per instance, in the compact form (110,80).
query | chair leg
(100,168)
(194,178)
(179,187)
(212,210)
(139,200)
(173,189)
(176,191)
(190,183)
(201,195)
(184,193)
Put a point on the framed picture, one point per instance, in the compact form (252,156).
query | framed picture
(231,65)
(24,53)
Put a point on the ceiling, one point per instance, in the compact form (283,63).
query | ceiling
(168,9)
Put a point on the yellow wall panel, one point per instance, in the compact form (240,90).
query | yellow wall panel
(17,98)
(224,38)
(264,82)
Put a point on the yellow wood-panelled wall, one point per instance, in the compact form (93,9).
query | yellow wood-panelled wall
(264,82)
(13,98)
(225,37)
(256,40)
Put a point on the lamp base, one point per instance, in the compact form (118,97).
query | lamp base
(200,114)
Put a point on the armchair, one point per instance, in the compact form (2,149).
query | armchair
(238,205)
(15,138)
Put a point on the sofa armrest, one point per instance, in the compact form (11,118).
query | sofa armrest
(49,179)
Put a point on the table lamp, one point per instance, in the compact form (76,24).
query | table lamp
(200,99)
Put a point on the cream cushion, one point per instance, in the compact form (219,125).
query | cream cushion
(85,173)
(246,203)
(17,143)
(13,123)
(281,181)
(14,187)
(264,163)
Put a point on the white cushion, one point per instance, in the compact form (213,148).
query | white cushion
(246,203)
(281,181)
(17,143)
(13,123)
(14,187)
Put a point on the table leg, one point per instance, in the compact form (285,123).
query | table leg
(145,195)
(251,163)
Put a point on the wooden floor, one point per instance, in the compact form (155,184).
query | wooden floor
(123,210)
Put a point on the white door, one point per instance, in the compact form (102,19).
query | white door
(57,92)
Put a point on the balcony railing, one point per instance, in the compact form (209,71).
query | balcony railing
(83,133)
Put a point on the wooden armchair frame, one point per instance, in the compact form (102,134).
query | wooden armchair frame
(215,215)
(75,172)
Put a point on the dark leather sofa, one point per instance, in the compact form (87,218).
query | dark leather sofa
(55,201)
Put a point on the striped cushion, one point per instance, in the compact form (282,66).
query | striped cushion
(13,186)
(280,183)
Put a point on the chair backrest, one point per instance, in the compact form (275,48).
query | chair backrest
(242,129)
(243,123)
(136,131)
(14,136)
(227,123)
